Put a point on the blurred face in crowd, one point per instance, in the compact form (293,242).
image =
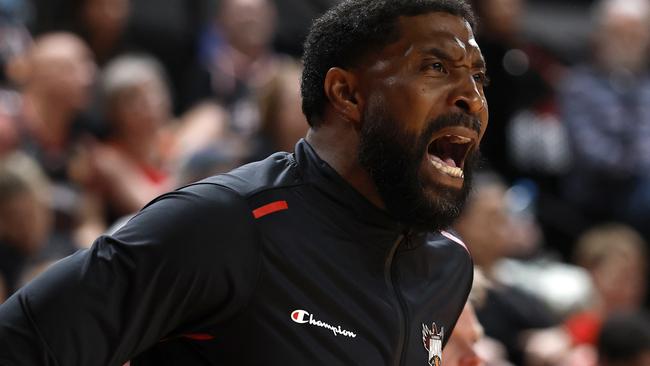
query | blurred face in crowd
(622,38)
(62,70)
(140,110)
(105,16)
(256,17)
(621,280)
(615,257)
(501,17)
(459,351)
(423,116)
(485,224)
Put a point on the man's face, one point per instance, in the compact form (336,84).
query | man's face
(486,224)
(106,16)
(257,17)
(424,116)
(63,70)
(622,41)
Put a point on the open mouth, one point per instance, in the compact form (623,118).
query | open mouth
(448,151)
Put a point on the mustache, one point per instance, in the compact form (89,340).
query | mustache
(453,120)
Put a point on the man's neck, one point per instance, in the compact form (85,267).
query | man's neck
(338,146)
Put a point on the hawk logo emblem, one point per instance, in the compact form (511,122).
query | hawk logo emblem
(432,338)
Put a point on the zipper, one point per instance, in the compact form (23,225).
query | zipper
(402,316)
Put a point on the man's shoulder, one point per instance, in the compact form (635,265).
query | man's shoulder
(277,171)
(224,197)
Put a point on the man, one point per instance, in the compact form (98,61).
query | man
(508,313)
(56,78)
(333,255)
(603,104)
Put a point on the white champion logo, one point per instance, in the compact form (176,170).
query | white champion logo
(303,317)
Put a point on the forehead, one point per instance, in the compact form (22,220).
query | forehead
(437,29)
(59,47)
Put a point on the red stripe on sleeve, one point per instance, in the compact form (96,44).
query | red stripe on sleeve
(270,208)
(199,336)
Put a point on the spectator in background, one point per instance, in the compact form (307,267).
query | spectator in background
(460,350)
(282,120)
(615,257)
(14,37)
(127,170)
(206,162)
(605,106)
(55,78)
(522,75)
(508,312)
(8,130)
(468,345)
(294,20)
(240,63)
(527,139)
(14,43)
(486,223)
(103,25)
(200,129)
(25,218)
(167,29)
(625,340)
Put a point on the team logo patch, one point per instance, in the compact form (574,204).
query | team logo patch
(304,317)
(432,338)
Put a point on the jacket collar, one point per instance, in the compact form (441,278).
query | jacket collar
(325,179)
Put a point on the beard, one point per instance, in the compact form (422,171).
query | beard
(394,160)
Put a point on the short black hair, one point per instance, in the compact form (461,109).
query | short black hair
(623,337)
(352,29)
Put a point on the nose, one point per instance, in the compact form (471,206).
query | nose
(468,97)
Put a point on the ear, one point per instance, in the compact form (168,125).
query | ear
(342,90)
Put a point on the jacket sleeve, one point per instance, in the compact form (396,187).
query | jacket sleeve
(190,258)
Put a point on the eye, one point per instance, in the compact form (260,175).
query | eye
(482,79)
(437,67)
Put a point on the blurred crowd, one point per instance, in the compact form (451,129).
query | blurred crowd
(105,104)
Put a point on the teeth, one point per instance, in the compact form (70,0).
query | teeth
(453,171)
(455,139)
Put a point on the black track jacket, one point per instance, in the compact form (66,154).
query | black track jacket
(280,262)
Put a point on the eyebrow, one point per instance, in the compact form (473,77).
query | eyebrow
(480,64)
(444,55)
